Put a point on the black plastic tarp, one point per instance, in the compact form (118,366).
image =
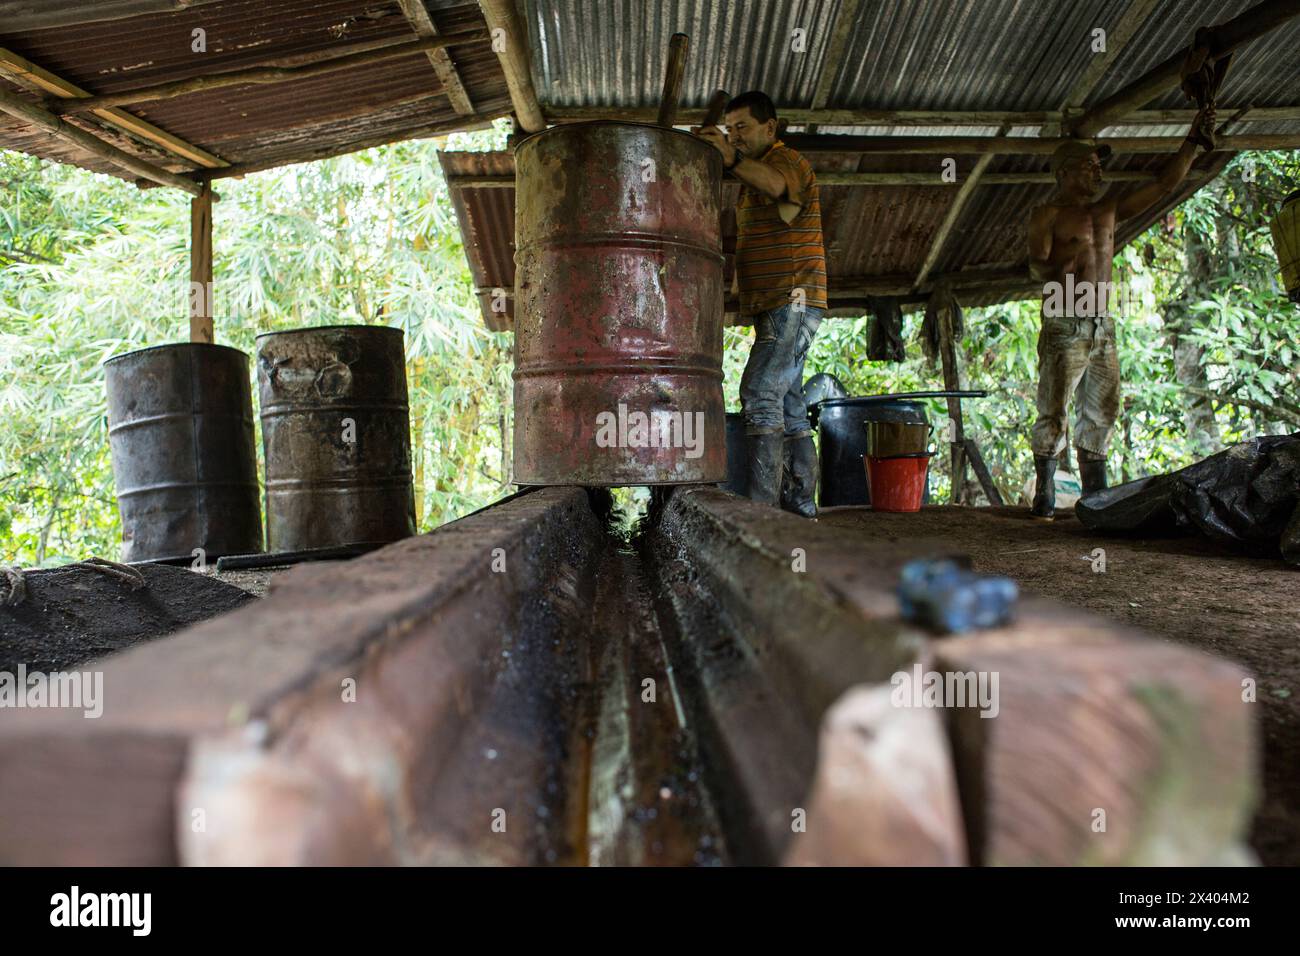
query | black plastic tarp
(1248,495)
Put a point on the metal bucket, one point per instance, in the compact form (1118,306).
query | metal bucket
(336,435)
(737,468)
(180,429)
(843,443)
(618,308)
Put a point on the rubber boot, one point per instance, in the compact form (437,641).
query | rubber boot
(763,459)
(1092,472)
(799,484)
(1044,506)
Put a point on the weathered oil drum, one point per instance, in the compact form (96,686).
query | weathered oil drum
(618,307)
(737,468)
(336,436)
(180,430)
(843,442)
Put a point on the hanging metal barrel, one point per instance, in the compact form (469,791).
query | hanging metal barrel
(180,430)
(618,307)
(336,436)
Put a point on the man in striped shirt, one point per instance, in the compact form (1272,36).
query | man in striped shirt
(781,274)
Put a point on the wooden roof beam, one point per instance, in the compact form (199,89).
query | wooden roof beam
(920,118)
(34,115)
(1116,39)
(23,15)
(27,74)
(271,73)
(1017,145)
(511,46)
(418,16)
(1225,37)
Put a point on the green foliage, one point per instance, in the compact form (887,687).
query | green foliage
(91,267)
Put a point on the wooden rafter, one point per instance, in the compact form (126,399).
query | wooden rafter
(1116,39)
(272,73)
(418,16)
(920,118)
(841,33)
(30,76)
(23,15)
(34,115)
(487,181)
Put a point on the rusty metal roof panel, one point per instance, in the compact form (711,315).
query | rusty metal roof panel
(613,53)
(487,228)
(263,124)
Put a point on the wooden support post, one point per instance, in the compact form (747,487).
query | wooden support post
(201,266)
(951,382)
(981,470)
(509,41)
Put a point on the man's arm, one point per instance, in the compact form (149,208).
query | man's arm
(751,172)
(1166,183)
(1042,264)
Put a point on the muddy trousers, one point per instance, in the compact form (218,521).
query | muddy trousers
(1076,356)
(771,388)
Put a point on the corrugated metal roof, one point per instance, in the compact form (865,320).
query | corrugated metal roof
(949,55)
(263,124)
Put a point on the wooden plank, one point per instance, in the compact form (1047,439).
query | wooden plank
(672,91)
(859,179)
(27,74)
(952,383)
(1116,39)
(981,470)
(201,266)
(261,75)
(841,32)
(32,114)
(1016,145)
(440,60)
(950,219)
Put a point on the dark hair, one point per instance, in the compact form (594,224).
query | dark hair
(757,102)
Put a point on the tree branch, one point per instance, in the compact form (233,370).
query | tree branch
(1284,411)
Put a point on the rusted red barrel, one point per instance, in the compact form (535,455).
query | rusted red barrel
(336,433)
(180,427)
(618,307)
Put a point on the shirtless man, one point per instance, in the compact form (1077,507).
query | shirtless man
(1071,245)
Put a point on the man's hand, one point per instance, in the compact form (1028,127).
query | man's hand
(715,136)
(1202,131)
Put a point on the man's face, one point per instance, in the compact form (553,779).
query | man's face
(747,134)
(1083,175)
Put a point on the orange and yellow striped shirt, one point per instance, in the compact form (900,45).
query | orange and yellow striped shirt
(773,257)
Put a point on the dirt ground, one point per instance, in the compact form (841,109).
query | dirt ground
(1186,590)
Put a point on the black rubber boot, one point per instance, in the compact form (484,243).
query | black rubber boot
(763,459)
(1044,507)
(1092,472)
(799,485)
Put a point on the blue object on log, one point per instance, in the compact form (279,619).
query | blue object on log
(945,597)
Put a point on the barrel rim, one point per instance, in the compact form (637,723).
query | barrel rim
(321,328)
(177,346)
(611,122)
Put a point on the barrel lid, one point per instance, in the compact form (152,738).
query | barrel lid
(901,398)
(175,346)
(325,328)
(566,127)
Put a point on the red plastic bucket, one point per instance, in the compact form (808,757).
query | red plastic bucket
(897,483)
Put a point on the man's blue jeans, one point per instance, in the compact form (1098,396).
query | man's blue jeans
(771,390)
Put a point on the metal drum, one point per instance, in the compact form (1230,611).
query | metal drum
(618,308)
(843,442)
(336,435)
(180,429)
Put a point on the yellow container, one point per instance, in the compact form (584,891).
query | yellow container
(1286,242)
